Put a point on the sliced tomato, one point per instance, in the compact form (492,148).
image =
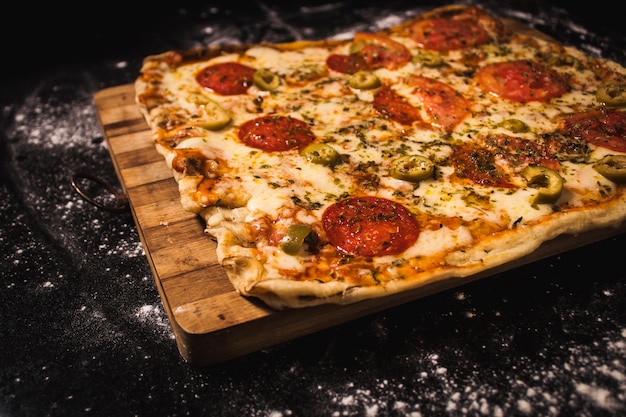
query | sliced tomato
(370,226)
(445,106)
(605,128)
(522,81)
(392,105)
(226,78)
(276,133)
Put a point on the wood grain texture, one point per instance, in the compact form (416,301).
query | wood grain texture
(211,321)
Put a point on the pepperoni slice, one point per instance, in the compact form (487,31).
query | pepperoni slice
(370,226)
(458,31)
(346,64)
(518,151)
(445,106)
(227,78)
(522,81)
(381,51)
(370,51)
(478,165)
(392,105)
(276,133)
(605,128)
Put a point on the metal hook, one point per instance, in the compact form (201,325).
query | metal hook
(121,199)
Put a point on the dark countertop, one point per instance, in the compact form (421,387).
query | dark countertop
(83,329)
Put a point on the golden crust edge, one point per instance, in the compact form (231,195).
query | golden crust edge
(246,273)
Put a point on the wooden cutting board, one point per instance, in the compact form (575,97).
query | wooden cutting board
(211,321)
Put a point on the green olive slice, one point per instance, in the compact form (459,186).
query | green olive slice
(211,115)
(266,80)
(548,182)
(561,60)
(612,94)
(356,47)
(294,238)
(412,168)
(612,167)
(320,153)
(428,59)
(514,125)
(364,80)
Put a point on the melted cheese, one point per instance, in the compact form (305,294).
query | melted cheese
(344,118)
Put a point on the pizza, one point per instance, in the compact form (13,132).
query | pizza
(338,170)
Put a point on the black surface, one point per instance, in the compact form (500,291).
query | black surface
(83,331)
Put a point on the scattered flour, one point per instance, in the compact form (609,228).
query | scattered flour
(598,383)
(598,380)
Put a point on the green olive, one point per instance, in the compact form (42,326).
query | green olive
(294,238)
(612,94)
(514,125)
(364,80)
(321,153)
(561,60)
(266,80)
(548,182)
(428,59)
(356,47)
(212,116)
(412,168)
(612,167)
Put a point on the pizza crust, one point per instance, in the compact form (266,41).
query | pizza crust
(248,275)
(231,212)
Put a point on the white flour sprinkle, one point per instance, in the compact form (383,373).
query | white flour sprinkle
(67,125)
(67,130)
(598,382)
(601,397)
(155,316)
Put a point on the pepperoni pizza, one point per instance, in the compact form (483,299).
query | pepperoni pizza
(333,171)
